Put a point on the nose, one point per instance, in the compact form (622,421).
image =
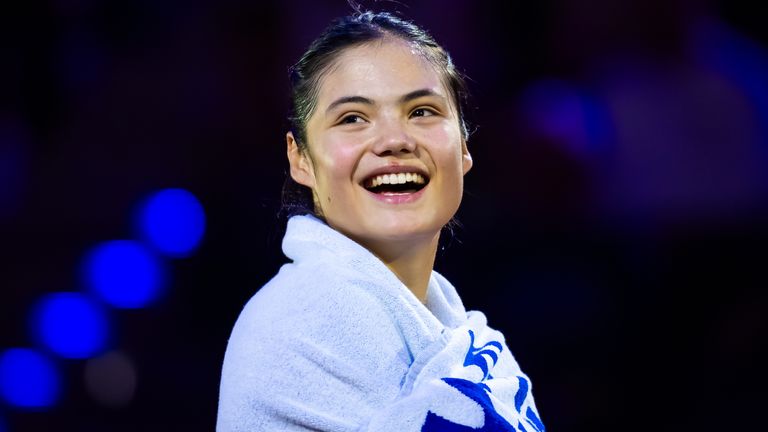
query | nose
(393,139)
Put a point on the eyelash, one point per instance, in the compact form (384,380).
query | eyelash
(425,109)
(354,118)
(346,119)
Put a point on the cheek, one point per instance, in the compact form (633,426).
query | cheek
(446,150)
(336,162)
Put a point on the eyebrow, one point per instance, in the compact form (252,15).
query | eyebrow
(349,99)
(364,100)
(418,94)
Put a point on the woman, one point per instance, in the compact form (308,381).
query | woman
(358,332)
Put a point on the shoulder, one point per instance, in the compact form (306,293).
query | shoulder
(311,338)
(312,299)
(306,310)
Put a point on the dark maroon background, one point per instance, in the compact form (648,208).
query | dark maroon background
(614,224)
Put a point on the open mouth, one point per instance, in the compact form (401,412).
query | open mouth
(400,183)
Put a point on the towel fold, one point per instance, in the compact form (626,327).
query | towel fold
(335,342)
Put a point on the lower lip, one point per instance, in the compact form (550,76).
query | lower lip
(399,198)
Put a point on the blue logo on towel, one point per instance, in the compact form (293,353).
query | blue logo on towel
(481,357)
(476,392)
(493,421)
(485,357)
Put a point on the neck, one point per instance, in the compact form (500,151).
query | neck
(411,262)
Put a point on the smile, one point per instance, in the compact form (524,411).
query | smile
(396,188)
(395,183)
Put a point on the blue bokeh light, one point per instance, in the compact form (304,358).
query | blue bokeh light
(125,274)
(172,221)
(28,380)
(71,325)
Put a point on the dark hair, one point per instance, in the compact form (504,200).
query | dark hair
(344,33)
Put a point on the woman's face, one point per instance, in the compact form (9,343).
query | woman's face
(386,156)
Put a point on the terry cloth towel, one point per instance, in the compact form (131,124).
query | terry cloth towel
(335,342)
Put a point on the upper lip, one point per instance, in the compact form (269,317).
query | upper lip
(395,169)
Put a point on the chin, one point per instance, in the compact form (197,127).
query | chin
(403,229)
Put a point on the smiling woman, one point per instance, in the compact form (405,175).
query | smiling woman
(358,332)
(384,115)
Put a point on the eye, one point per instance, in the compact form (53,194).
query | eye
(423,112)
(351,118)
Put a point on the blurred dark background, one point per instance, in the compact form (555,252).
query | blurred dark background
(614,223)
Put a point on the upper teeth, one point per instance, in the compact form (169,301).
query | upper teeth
(399,178)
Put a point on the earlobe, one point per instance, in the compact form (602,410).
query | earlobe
(466,158)
(301,167)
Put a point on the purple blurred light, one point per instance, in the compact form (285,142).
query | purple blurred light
(567,115)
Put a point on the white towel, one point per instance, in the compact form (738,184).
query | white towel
(335,342)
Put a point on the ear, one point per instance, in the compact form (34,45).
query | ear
(466,158)
(301,167)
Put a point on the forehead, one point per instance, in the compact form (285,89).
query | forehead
(380,70)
